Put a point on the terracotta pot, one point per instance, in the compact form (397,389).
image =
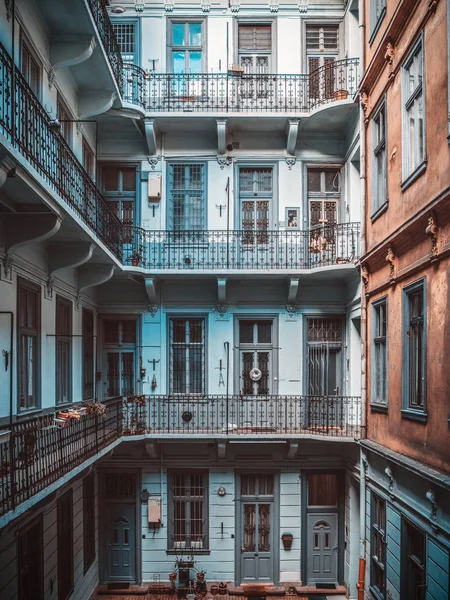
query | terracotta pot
(222,589)
(135,262)
(340,95)
(172,576)
(200,577)
(214,589)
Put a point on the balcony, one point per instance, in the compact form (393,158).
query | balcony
(245,93)
(40,451)
(323,246)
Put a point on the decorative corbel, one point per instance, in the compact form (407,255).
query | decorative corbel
(221,310)
(224,161)
(273,6)
(291,309)
(9,9)
(389,58)
(51,77)
(365,104)
(49,288)
(7,268)
(365,278)
(365,465)
(290,161)
(303,6)
(139,6)
(432,230)
(79,127)
(153,160)
(206,6)
(391,259)
(431,497)
(169,5)
(235,5)
(390,477)
(153,310)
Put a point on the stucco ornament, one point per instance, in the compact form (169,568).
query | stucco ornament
(389,58)
(365,278)
(391,260)
(431,497)
(365,104)
(255,374)
(432,230)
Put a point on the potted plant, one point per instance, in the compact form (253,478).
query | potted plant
(236,70)
(340,95)
(136,259)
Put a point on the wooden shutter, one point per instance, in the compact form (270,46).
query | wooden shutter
(255,37)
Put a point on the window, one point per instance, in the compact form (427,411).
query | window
(31,69)
(413,111)
(379,183)
(188,511)
(414,348)
(88,520)
(126,38)
(256,355)
(255,49)
(29,311)
(324,191)
(413,578)
(378,547)
(31,562)
(64,118)
(377,12)
(379,352)
(88,354)
(88,159)
(63,350)
(65,545)
(187,356)
(322,48)
(186,50)
(187,205)
(256,203)
(119,336)
(325,337)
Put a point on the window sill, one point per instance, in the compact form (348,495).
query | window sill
(382,209)
(25,413)
(188,552)
(414,175)
(377,26)
(381,408)
(414,415)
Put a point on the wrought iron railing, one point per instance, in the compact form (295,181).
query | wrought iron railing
(134,90)
(26,124)
(39,452)
(238,92)
(108,37)
(335,416)
(243,249)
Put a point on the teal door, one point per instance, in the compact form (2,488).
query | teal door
(122,543)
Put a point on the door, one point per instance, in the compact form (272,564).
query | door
(256,547)
(122,543)
(119,373)
(322,548)
(255,49)
(322,46)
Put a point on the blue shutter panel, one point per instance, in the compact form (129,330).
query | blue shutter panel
(393,536)
(437,571)
(169,206)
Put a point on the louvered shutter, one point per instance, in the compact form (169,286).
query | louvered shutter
(255,38)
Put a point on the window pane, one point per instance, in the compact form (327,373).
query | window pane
(331,181)
(129,180)
(111,180)
(111,332)
(195,34)
(264,332)
(246,332)
(195,62)
(178,30)
(322,490)
(178,62)
(313,181)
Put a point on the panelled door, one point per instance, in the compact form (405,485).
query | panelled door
(121,543)
(255,49)
(257,528)
(322,46)
(322,548)
(255,353)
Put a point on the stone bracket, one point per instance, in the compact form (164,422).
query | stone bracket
(221,136)
(24,228)
(150,289)
(293,448)
(293,289)
(95,103)
(92,275)
(222,290)
(292,136)
(6,165)
(69,254)
(150,136)
(69,50)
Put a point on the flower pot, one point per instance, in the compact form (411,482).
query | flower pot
(200,577)
(340,95)
(214,589)
(222,589)
(287,539)
(135,262)
(172,576)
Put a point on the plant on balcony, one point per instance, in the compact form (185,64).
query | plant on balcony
(136,259)
(340,95)
(95,408)
(5,467)
(138,399)
(317,243)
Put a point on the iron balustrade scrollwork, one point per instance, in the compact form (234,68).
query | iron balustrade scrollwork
(134,89)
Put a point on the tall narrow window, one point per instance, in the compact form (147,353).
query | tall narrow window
(88,354)
(88,159)
(322,48)
(119,337)
(377,13)
(379,350)
(88,520)
(31,562)
(325,343)
(65,545)
(256,356)
(414,348)
(29,312)
(413,111)
(186,50)
(413,579)
(31,69)
(187,356)
(378,547)
(188,511)
(63,350)
(255,48)
(256,203)
(379,187)
(64,118)
(126,38)
(187,189)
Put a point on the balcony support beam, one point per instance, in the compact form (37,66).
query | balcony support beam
(221,450)
(92,275)
(293,447)
(150,136)
(70,254)
(70,50)
(293,289)
(150,289)
(95,103)
(25,228)
(221,136)
(222,290)
(292,134)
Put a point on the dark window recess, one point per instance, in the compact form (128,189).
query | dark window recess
(63,350)
(257,485)
(188,521)
(120,485)
(120,332)
(88,354)
(31,69)
(88,521)
(378,546)
(31,562)
(65,545)
(187,356)
(416,350)
(414,580)
(29,313)
(255,37)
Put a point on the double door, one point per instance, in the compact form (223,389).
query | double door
(257,542)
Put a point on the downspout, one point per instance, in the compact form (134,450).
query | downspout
(363,460)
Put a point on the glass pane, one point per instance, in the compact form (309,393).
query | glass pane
(313,181)
(264,528)
(249,527)
(111,180)
(246,332)
(178,30)
(125,537)
(264,332)
(195,34)
(129,180)
(195,62)
(178,62)
(111,332)
(322,490)
(128,332)
(331,181)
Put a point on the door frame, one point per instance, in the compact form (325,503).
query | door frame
(340,473)
(275,524)
(103,517)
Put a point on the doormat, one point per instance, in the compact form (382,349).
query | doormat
(118,586)
(326,586)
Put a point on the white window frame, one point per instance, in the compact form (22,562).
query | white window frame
(187,48)
(379,152)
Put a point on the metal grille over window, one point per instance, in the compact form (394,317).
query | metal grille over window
(125,35)
(187,356)
(255,343)
(188,521)
(187,194)
(325,346)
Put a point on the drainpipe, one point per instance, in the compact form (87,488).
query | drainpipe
(363,460)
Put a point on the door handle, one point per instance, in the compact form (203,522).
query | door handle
(334,547)
(242,548)
(256,554)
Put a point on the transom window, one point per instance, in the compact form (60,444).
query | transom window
(187,356)
(378,547)
(187,47)
(257,485)
(413,560)
(29,311)
(379,194)
(187,206)
(31,69)
(414,111)
(63,350)
(379,349)
(322,489)
(188,511)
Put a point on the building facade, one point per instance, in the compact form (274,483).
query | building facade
(405,272)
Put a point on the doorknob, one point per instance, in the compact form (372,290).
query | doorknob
(334,547)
